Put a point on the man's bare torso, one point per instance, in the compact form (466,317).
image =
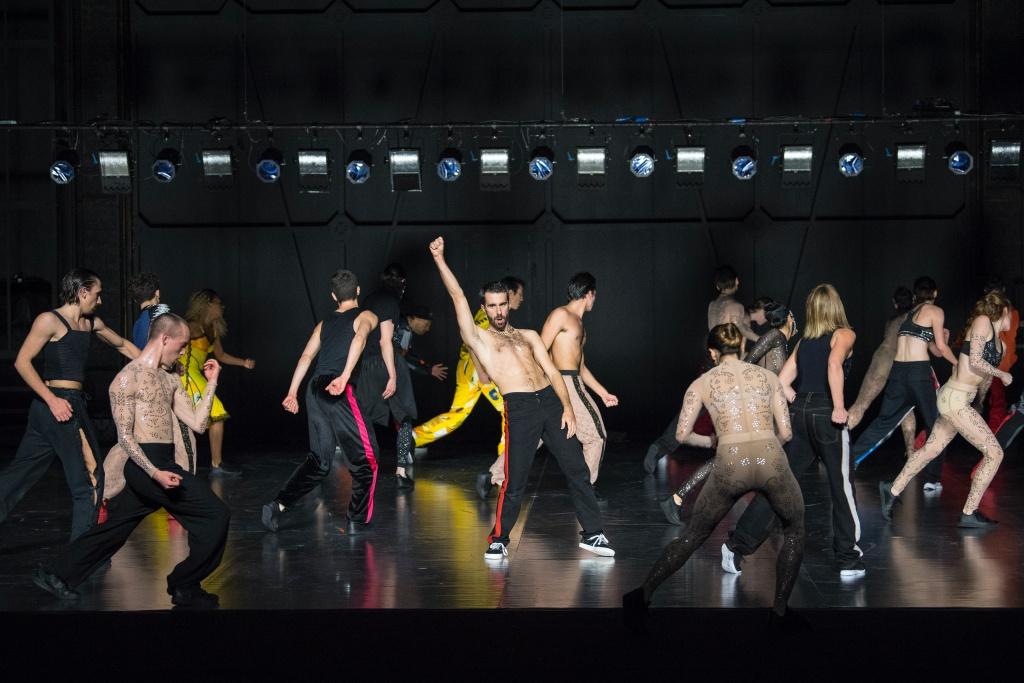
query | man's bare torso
(510,361)
(567,347)
(152,391)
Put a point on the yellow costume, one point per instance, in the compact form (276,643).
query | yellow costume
(194,381)
(467,392)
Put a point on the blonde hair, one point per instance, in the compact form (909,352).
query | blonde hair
(198,308)
(825,312)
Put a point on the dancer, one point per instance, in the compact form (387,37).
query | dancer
(417,321)
(744,401)
(58,419)
(145,291)
(206,323)
(818,413)
(997,408)
(881,363)
(536,406)
(469,387)
(755,313)
(722,309)
(334,414)
(910,381)
(771,348)
(145,397)
(980,357)
(385,388)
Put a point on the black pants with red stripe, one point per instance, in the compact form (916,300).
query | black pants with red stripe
(532,416)
(336,421)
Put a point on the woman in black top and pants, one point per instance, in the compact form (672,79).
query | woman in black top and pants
(818,415)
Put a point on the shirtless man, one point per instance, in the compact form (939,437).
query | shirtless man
(145,397)
(722,309)
(536,406)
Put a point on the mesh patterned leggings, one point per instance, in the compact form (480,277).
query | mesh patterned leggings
(957,416)
(740,467)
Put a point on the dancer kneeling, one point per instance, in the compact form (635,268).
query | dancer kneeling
(979,363)
(743,399)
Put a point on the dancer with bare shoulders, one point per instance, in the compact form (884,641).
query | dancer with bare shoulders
(145,398)
(536,406)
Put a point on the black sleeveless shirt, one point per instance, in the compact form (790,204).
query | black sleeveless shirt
(812,365)
(65,359)
(336,335)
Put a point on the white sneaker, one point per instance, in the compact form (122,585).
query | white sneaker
(729,561)
(496,551)
(932,487)
(597,544)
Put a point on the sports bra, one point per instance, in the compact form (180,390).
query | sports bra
(908,328)
(990,353)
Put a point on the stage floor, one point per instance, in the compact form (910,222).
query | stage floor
(425,547)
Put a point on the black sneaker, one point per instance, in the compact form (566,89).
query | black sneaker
(354,527)
(597,544)
(405,482)
(270,515)
(496,551)
(651,459)
(976,521)
(483,485)
(852,569)
(731,560)
(673,512)
(54,585)
(224,472)
(194,597)
(634,610)
(887,498)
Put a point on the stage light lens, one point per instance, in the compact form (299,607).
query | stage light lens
(449,169)
(641,164)
(851,165)
(961,162)
(541,168)
(62,172)
(357,172)
(163,170)
(744,167)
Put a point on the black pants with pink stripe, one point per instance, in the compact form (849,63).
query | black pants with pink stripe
(336,421)
(532,416)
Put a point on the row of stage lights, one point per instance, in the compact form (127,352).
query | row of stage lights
(591,164)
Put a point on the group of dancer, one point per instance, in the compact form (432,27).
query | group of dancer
(769,412)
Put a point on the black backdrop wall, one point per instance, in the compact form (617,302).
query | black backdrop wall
(269,249)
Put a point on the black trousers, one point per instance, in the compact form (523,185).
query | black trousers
(910,386)
(401,407)
(44,439)
(530,417)
(336,421)
(814,438)
(192,503)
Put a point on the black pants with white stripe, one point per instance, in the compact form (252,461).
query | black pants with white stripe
(814,438)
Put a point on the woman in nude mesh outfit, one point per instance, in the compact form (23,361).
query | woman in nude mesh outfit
(747,407)
(770,352)
(979,364)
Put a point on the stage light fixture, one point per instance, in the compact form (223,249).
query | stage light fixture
(218,169)
(851,161)
(961,162)
(115,174)
(541,165)
(449,167)
(641,163)
(314,170)
(359,166)
(62,170)
(405,170)
(268,168)
(690,160)
(797,159)
(744,163)
(591,164)
(1004,160)
(910,162)
(494,165)
(165,167)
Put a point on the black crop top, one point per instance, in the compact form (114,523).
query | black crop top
(908,328)
(990,353)
(65,359)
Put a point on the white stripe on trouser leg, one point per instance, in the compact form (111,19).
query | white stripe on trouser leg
(848,489)
(874,447)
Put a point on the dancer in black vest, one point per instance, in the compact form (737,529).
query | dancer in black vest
(58,422)
(334,415)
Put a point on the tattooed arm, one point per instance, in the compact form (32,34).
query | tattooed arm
(196,416)
(125,392)
(780,410)
(692,402)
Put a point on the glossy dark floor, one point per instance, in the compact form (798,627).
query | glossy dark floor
(425,548)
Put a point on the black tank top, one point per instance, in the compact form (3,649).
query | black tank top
(908,328)
(812,365)
(65,359)
(336,335)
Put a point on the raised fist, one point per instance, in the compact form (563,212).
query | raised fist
(437,248)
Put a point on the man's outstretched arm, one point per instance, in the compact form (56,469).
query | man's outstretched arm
(464,315)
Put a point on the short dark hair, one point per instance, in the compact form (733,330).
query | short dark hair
(513,283)
(725,277)
(760,303)
(924,288)
(775,314)
(163,324)
(580,285)
(344,284)
(417,311)
(903,299)
(143,287)
(495,287)
(73,281)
